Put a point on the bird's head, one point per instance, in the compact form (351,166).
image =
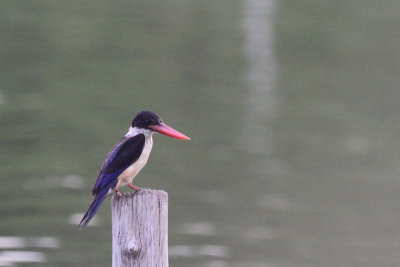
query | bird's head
(151,121)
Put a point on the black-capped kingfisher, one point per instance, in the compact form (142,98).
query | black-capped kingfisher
(127,158)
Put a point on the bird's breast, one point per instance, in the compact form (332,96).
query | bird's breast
(130,173)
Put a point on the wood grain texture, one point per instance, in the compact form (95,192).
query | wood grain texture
(140,229)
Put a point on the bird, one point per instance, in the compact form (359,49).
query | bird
(127,158)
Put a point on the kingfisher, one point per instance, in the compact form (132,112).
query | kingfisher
(127,158)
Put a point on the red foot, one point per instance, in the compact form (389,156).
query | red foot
(118,193)
(134,187)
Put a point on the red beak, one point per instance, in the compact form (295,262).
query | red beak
(165,129)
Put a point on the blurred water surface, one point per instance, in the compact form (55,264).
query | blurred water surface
(292,108)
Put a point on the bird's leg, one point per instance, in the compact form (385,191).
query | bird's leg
(133,187)
(118,193)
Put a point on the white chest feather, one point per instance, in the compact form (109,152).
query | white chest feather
(127,176)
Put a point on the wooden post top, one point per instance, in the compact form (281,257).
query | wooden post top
(140,229)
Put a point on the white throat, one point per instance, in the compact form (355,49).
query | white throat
(135,131)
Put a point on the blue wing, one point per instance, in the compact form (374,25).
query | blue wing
(120,157)
(117,161)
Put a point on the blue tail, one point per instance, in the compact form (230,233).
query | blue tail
(93,208)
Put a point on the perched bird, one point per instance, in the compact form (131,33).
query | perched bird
(127,158)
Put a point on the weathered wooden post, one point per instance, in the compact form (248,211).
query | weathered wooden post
(140,229)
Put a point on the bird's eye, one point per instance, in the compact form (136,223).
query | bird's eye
(147,121)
